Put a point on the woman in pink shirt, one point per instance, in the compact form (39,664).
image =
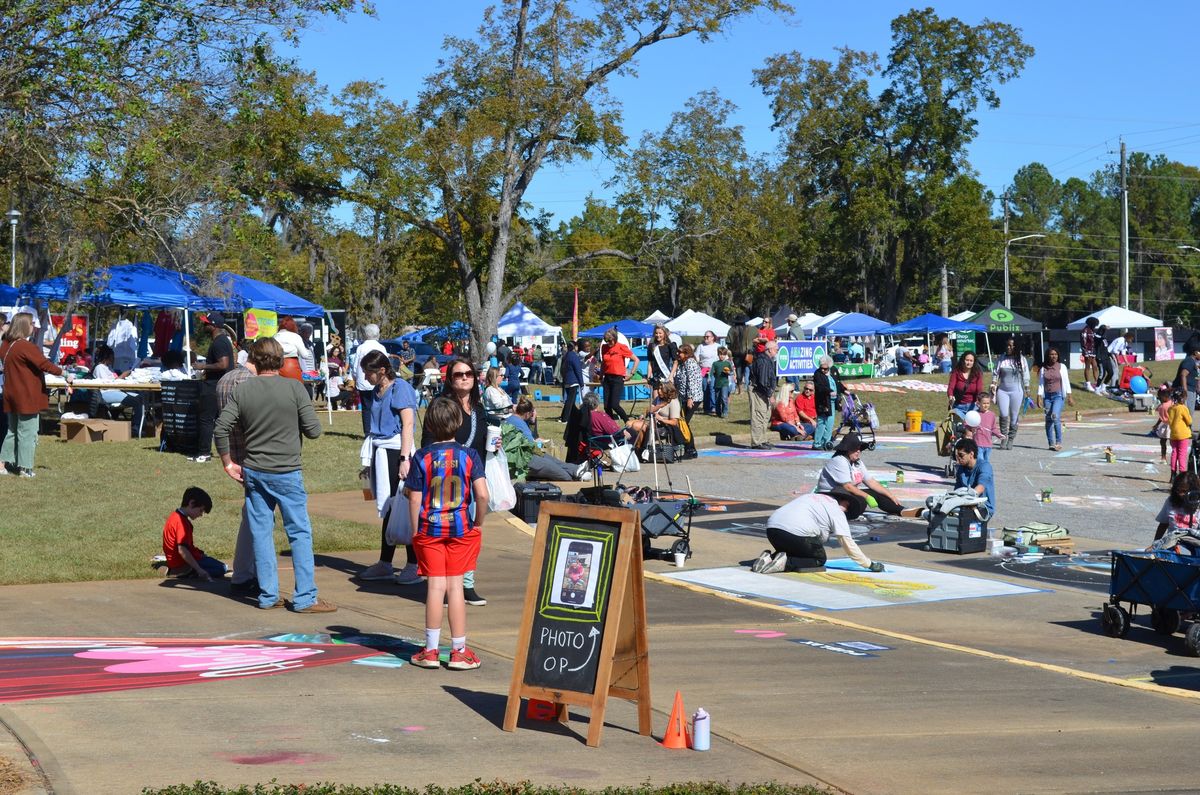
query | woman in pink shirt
(966,384)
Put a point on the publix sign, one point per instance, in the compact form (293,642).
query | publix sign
(1000,319)
(797,357)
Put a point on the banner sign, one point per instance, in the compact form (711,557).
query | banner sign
(859,370)
(261,323)
(1164,344)
(799,357)
(73,339)
(964,341)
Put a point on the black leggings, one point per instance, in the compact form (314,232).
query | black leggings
(614,385)
(569,394)
(388,551)
(803,552)
(886,503)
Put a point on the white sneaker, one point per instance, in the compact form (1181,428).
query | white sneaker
(1088,386)
(584,470)
(761,561)
(408,575)
(777,564)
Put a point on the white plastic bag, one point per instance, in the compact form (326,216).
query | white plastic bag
(873,417)
(624,458)
(399,530)
(501,494)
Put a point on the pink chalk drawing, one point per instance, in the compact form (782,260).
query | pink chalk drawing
(760,633)
(209,661)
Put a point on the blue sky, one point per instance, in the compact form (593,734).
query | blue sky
(1102,70)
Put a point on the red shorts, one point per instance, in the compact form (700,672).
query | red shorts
(446,557)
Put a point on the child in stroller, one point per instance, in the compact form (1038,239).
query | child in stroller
(948,432)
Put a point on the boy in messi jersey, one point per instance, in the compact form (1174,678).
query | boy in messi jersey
(448,497)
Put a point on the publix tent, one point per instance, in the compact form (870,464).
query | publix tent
(1116,317)
(693,324)
(1000,320)
(520,321)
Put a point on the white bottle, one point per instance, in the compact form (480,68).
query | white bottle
(701,730)
(1020,539)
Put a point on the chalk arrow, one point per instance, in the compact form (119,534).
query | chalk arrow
(593,635)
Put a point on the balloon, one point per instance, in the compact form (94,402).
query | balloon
(1138,385)
(972,419)
(491,348)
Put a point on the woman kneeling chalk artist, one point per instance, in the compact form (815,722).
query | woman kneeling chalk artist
(846,471)
(798,532)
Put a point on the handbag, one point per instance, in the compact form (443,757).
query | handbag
(501,494)
(399,529)
(1162,431)
(624,458)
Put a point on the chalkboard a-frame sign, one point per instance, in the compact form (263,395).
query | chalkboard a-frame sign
(583,631)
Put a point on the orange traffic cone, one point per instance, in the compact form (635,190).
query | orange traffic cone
(677,735)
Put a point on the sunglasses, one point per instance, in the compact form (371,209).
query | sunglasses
(462,374)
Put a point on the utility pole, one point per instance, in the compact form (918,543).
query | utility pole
(1124,231)
(945,292)
(1007,294)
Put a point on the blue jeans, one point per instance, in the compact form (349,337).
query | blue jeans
(946,366)
(1053,402)
(786,430)
(710,397)
(366,398)
(984,454)
(721,400)
(904,367)
(961,410)
(264,491)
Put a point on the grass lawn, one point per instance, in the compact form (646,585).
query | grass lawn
(96,511)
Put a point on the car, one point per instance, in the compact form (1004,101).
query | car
(423,351)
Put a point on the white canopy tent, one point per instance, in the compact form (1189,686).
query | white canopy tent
(966,314)
(693,324)
(658,317)
(810,327)
(1117,317)
(520,321)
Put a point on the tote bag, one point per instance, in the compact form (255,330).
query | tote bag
(399,530)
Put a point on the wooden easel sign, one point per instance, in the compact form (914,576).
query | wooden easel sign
(583,631)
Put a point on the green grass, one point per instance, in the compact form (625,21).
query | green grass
(96,511)
(486,788)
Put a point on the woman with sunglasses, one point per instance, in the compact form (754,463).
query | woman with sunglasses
(689,384)
(462,387)
(614,358)
(706,357)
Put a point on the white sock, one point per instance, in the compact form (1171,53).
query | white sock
(458,644)
(432,637)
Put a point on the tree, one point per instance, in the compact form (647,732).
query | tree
(529,91)
(877,168)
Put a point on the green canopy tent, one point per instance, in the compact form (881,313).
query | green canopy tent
(999,320)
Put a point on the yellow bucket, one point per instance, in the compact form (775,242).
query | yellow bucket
(912,421)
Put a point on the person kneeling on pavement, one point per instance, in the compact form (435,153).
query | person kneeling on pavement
(846,471)
(798,532)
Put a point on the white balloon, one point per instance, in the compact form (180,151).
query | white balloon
(972,419)
(491,348)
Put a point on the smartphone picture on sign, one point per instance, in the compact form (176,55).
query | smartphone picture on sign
(575,585)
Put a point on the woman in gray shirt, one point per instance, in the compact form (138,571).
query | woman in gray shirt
(1010,384)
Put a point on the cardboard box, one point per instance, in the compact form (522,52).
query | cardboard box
(88,431)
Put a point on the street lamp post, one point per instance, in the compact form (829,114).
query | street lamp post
(1188,248)
(1007,295)
(13,216)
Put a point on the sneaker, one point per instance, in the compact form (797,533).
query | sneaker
(200,459)
(319,606)
(409,576)
(777,564)
(1087,385)
(26,473)
(584,470)
(426,658)
(380,570)
(761,561)
(465,660)
(473,598)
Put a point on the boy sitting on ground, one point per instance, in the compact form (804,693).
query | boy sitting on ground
(183,558)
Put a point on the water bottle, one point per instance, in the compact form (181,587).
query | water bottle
(1020,539)
(899,475)
(701,730)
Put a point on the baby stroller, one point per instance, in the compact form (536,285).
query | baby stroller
(947,433)
(859,417)
(664,517)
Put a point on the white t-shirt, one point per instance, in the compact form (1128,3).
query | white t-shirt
(365,347)
(291,342)
(811,516)
(839,470)
(706,355)
(1179,519)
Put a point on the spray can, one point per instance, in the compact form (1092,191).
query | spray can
(899,475)
(701,730)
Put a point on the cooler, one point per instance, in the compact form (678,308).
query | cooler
(530,497)
(957,533)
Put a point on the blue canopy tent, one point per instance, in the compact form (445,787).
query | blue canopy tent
(853,324)
(9,296)
(250,293)
(930,323)
(628,327)
(455,331)
(139,285)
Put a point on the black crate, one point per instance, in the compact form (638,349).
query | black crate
(530,497)
(960,532)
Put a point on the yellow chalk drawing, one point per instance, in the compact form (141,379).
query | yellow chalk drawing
(878,586)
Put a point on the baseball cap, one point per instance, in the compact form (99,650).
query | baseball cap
(213,319)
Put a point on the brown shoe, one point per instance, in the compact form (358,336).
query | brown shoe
(278,603)
(319,606)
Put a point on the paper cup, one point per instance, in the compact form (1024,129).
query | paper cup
(680,559)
